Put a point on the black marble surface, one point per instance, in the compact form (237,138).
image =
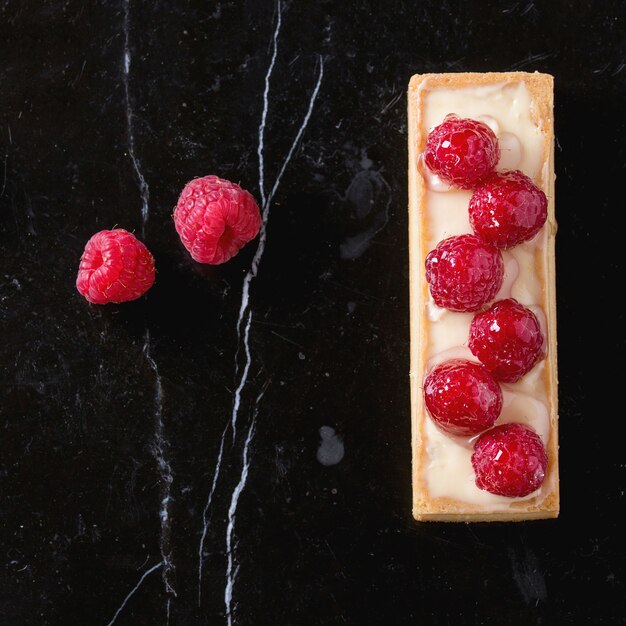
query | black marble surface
(126,495)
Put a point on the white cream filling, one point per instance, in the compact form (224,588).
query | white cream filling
(506,109)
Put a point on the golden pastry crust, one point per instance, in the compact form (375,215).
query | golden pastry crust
(540,88)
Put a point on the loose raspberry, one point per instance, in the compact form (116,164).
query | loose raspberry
(115,267)
(507,208)
(462,151)
(215,219)
(506,339)
(462,397)
(509,460)
(464,272)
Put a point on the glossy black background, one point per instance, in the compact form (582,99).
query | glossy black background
(79,485)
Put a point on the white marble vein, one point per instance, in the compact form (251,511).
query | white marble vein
(244,375)
(166,474)
(261,156)
(133,591)
(218,465)
(266,91)
(256,260)
(245,311)
(205,514)
(144,191)
(231,568)
(298,137)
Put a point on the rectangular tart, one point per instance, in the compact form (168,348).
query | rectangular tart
(519,107)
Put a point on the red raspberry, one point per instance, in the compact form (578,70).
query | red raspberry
(462,151)
(509,460)
(507,208)
(464,272)
(462,397)
(115,267)
(506,339)
(215,219)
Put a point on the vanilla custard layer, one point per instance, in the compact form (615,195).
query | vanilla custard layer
(507,108)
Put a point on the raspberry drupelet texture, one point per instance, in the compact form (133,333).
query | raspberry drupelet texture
(461,151)
(215,219)
(115,267)
(507,339)
(507,208)
(509,460)
(464,272)
(462,397)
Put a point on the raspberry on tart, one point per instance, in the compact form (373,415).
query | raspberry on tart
(461,151)
(509,460)
(114,267)
(462,397)
(464,272)
(507,339)
(507,208)
(215,219)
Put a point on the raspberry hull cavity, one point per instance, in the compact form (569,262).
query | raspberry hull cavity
(215,218)
(115,267)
